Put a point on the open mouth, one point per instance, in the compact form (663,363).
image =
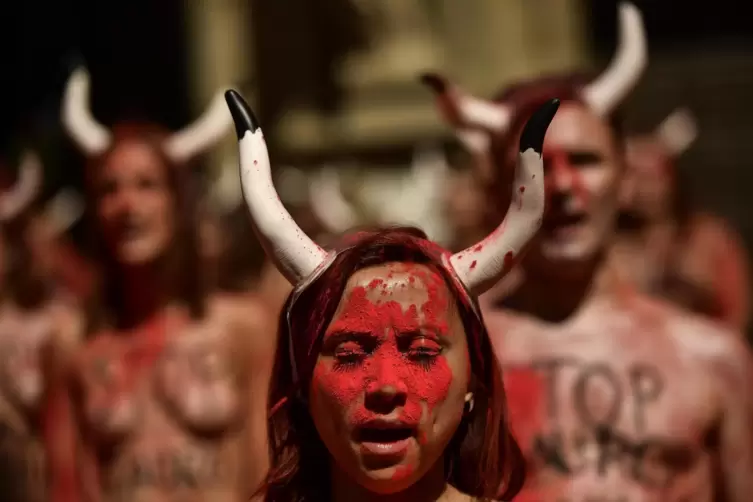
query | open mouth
(385,439)
(563,221)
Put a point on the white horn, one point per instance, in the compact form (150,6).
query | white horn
(678,131)
(462,110)
(26,188)
(605,93)
(64,210)
(295,254)
(206,131)
(482,265)
(328,203)
(225,194)
(90,136)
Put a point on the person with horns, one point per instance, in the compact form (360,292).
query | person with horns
(667,246)
(385,386)
(166,399)
(613,395)
(36,320)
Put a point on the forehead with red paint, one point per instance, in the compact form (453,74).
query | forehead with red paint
(396,296)
(132,157)
(576,128)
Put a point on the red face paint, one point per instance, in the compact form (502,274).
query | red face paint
(377,345)
(562,168)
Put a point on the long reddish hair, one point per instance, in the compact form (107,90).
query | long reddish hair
(182,261)
(482,456)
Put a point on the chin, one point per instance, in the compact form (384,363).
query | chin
(138,254)
(389,480)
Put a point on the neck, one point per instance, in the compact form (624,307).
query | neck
(143,293)
(432,487)
(557,298)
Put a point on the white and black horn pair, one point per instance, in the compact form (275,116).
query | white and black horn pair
(93,138)
(297,256)
(602,95)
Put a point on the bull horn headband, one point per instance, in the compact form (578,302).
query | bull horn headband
(297,256)
(93,138)
(602,95)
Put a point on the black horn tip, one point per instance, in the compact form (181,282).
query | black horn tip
(435,81)
(243,116)
(535,129)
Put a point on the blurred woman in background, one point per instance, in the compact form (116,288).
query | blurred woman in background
(35,322)
(167,398)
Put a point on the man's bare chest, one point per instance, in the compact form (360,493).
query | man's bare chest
(594,404)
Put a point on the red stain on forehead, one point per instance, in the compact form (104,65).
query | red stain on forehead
(562,168)
(408,353)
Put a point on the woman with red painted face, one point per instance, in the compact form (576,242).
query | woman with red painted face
(36,319)
(613,395)
(669,248)
(165,401)
(384,385)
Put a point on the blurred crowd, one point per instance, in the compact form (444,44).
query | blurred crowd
(152,363)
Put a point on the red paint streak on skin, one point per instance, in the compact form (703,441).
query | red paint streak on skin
(473,265)
(402,472)
(526,392)
(561,168)
(123,374)
(389,364)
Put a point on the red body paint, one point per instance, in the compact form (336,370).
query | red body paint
(526,393)
(390,363)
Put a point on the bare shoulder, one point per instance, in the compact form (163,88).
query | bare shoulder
(706,339)
(248,315)
(246,310)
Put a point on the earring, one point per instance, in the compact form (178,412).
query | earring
(469,402)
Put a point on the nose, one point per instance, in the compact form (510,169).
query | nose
(560,176)
(386,391)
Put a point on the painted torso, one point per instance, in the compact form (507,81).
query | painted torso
(166,413)
(24,338)
(619,404)
(702,269)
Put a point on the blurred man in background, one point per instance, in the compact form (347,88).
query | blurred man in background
(667,247)
(613,395)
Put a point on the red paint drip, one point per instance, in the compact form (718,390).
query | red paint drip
(473,265)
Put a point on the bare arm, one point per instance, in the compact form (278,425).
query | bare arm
(58,421)
(259,338)
(736,433)
(70,468)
